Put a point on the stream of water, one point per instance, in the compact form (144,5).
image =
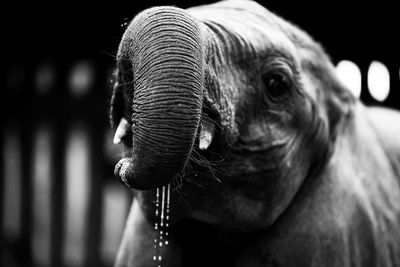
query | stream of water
(161,224)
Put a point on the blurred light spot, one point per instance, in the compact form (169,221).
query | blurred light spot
(349,73)
(11,216)
(45,78)
(378,81)
(81,78)
(76,197)
(115,206)
(42,176)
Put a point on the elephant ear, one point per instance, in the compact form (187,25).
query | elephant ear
(339,102)
(334,100)
(324,86)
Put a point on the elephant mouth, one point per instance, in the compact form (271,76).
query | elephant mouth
(122,136)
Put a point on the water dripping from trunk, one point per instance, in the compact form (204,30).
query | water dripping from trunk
(161,224)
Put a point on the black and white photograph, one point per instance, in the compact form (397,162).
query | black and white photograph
(171,133)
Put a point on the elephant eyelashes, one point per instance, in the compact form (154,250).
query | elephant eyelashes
(276,84)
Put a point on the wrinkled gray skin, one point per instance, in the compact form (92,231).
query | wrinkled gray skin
(299,172)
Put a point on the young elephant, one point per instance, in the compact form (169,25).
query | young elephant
(270,159)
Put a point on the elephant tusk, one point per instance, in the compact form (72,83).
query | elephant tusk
(206,135)
(123,128)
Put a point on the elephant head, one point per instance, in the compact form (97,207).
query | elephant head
(229,97)
(234,106)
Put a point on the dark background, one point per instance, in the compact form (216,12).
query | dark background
(65,32)
(62,34)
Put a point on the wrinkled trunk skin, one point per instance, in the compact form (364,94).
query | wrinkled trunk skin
(162,50)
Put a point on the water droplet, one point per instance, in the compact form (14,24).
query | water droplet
(162,210)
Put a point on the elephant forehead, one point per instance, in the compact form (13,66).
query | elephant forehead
(247,24)
(263,37)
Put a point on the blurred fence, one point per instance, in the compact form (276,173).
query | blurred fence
(59,202)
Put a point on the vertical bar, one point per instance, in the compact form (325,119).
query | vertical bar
(115,200)
(57,212)
(97,162)
(42,173)
(26,212)
(12,195)
(77,190)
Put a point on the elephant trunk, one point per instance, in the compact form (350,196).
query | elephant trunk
(163,48)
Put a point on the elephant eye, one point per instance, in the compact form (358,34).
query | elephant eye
(277,84)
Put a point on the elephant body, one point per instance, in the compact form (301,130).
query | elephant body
(271,160)
(349,216)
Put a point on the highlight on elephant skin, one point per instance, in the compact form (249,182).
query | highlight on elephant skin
(238,118)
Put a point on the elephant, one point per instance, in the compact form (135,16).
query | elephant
(267,157)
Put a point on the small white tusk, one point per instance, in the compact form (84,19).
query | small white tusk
(123,128)
(206,135)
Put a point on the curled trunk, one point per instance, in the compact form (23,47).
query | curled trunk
(161,50)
